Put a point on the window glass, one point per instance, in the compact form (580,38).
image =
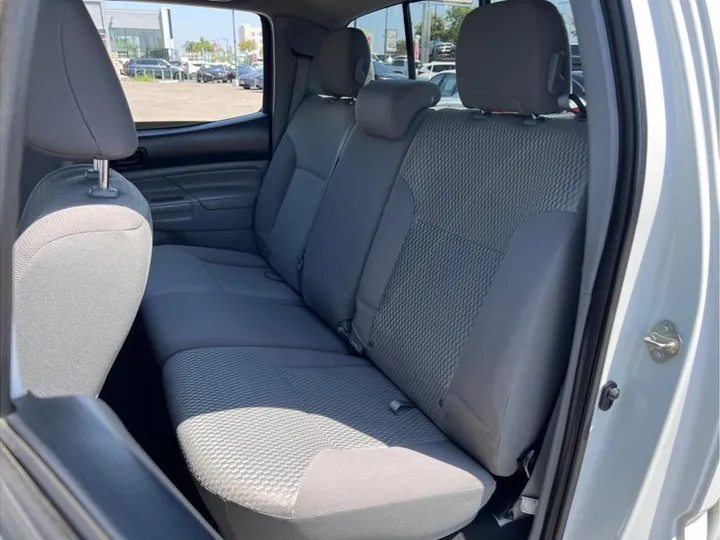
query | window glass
(160,52)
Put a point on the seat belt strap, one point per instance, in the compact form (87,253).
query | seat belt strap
(300,87)
(301,259)
(534,466)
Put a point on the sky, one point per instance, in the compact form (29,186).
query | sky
(215,24)
(189,23)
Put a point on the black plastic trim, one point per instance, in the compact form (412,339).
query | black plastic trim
(17,22)
(246,138)
(409,39)
(97,477)
(611,271)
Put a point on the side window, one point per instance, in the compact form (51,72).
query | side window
(151,44)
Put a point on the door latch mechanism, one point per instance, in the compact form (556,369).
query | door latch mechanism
(663,341)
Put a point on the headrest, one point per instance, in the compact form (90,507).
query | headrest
(76,106)
(386,108)
(513,56)
(344,62)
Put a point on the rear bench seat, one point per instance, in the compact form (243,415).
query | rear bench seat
(468,266)
(291,191)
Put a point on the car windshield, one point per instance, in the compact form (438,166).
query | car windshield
(215,68)
(401,62)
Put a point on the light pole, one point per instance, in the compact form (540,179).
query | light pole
(234,42)
(385,52)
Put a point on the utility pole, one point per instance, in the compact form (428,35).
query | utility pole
(234,42)
(425,33)
(385,52)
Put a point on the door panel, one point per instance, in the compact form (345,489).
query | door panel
(236,139)
(202,181)
(204,205)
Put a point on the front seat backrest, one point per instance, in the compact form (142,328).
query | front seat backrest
(81,259)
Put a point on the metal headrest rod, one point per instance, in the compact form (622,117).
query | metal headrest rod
(103,188)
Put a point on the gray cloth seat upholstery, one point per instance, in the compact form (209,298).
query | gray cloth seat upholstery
(286,443)
(456,291)
(80,262)
(291,191)
(198,303)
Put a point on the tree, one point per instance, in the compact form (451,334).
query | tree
(438,30)
(247,45)
(454,18)
(401,47)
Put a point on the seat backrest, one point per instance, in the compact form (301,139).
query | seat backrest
(81,259)
(301,167)
(388,114)
(467,299)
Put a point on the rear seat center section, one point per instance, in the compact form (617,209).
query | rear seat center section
(426,334)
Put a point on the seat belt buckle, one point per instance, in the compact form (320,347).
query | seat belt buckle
(397,405)
(523,507)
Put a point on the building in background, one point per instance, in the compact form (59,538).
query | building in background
(133,33)
(248,33)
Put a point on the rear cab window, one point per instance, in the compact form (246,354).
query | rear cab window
(180,64)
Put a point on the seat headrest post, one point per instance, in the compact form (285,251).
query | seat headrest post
(103,190)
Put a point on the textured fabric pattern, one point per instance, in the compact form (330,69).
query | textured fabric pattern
(185,269)
(469,200)
(250,428)
(77,261)
(60,207)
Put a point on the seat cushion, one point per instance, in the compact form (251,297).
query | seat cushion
(275,437)
(196,269)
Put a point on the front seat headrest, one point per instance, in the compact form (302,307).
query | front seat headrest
(513,56)
(76,106)
(344,61)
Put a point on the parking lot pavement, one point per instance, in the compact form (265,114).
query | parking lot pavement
(189,101)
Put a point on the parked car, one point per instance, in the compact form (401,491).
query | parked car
(157,67)
(215,73)
(429,70)
(252,79)
(400,65)
(442,50)
(383,72)
(244,69)
(449,97)
(188,68)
